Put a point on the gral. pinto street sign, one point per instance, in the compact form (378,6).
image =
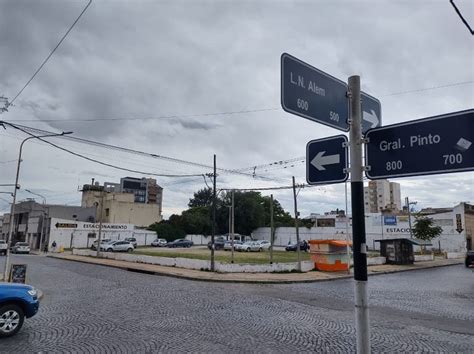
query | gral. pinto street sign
(440,144)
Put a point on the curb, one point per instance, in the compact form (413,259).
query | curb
(413,269)
(249,281)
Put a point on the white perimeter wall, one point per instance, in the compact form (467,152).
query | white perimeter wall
(78,237)
(450,240)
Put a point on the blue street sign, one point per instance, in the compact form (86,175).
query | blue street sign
(440,144)
(313,94)
(371,112)
(390,220)
(326,160)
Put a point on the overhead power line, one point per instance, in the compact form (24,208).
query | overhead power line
(50,54)
(177,116)
(461,17)
(429,88)
(137,152)
(101,162)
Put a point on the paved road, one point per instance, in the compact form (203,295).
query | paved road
(88,308)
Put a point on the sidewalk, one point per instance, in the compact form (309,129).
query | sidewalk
(265,278)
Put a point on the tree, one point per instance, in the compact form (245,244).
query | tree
(202,198)
(197,220)
(167,231)
(424,229)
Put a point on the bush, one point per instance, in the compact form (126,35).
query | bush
(167,231)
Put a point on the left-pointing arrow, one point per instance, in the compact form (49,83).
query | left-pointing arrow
(319,161)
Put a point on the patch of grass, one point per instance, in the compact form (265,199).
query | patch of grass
(225,256)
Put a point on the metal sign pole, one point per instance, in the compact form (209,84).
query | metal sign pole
(358,219)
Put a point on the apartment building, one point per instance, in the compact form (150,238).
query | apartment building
(382,195)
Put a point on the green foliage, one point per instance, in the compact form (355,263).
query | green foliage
(202,198)
(252,210)
(197,220)
(423,229)
(168,231)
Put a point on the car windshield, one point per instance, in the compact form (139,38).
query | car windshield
(22,244)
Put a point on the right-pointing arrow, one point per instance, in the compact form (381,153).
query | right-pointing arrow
(319,161)
(371,117)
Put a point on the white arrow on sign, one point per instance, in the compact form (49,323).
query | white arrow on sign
(371,117)
(320,160)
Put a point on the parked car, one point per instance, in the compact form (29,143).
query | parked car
(219,242)
(264,244)
(3,247)
(117,246)
(159,242)
(248,246)
(180,243)
(469,259)
(304,246)
(228,245)
(21,247)
(17,302)
(102,242)
(132,240)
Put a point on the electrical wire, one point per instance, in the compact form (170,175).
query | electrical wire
(100,162)
(461,17)
(429,88)
(137,152)
(152,118)
(50,54)
(224,113)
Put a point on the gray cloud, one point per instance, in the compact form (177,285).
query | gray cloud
(181,58)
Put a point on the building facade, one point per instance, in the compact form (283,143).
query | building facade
(133,201)
(382,195)
(457,225)
(32,221)
(77,234)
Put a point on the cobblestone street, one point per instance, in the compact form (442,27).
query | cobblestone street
(89,308)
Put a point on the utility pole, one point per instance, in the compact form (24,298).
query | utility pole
(271,229)
(232,232)
(100,222)
(213,217)
(358,218)
(298,251)
(16,187)
(348,249)
(407,202)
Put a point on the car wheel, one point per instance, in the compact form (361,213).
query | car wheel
(110,250)
(130,250)
(260,249)
(11,320)
(248,250)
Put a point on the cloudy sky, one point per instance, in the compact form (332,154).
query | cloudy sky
(189,79)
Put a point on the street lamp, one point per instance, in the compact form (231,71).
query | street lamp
(16,186)
(408,203)
(43,218)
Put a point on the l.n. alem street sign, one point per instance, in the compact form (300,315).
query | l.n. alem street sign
(311,93)
(440,144)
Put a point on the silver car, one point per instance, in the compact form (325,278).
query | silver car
(21,247)
(264,244)
(117,246)
(248,247)
(159,242)
(228,245)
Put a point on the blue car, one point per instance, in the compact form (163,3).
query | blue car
(17,301)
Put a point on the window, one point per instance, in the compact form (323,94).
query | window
(326,222)
(107,212)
